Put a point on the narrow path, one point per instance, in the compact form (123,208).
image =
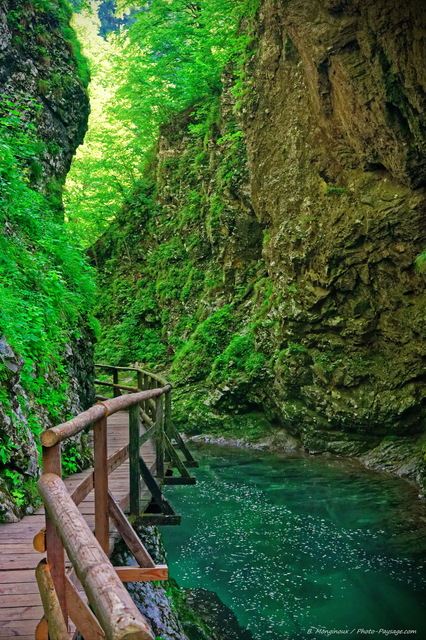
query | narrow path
(20,604)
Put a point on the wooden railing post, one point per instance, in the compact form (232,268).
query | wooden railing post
(140,380)
(57,627)
(115,391)
(168,413)
(100,459)
(115,610)
(167,420)
(150,410)
(159,438)
(54,548)
(134,447)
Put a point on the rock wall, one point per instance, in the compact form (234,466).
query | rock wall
(42,69)
(43,77)
(335,132)
(281,282)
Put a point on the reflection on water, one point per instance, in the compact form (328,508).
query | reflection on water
(294,544)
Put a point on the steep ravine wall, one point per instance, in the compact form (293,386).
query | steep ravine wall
(281,282)
(335,129)
(42,69)
(44,79)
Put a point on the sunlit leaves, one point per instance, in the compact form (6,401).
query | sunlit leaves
(45,282)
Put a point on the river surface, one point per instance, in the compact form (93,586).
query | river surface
(302,547)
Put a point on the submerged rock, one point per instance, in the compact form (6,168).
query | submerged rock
(216,615)
(174,613)
(162,603)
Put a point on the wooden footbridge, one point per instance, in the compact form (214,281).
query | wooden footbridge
(56,579)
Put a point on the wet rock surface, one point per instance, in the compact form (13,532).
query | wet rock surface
(161,603)
(337,172)
(214,613)
(22,409)
(174,613)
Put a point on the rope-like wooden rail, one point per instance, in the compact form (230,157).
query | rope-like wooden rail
(116,617)
(72,427)
(115,610)
(152,376)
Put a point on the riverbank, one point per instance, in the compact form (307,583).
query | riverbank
(403,457)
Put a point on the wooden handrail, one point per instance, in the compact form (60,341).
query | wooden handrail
(149,406)
(115,610)
(52,436)
(122,387)
(137,369)
(51,605)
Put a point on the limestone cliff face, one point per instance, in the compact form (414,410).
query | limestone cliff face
(41,76)
(282,282)
(335,131)
(40,64)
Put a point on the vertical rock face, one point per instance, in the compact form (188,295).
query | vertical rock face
(335,131)
(285,283)
(44,77)
(41,68)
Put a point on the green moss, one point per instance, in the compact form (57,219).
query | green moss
(194,360)
(42,86)
(239,360)
(289,48)
(331,190)
(174,248)
(398,112)
(421,262)
(195,627)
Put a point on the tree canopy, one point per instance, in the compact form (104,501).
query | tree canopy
(171,58)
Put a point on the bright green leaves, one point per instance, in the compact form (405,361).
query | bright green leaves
(209,340)
(176,54)
(240,359)
(45,282)
(421,262)
(171,59)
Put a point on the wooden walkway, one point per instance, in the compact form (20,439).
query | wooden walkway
(20,604)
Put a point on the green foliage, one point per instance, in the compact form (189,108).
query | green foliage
(6,451)
(171,59)
(421,262)
(104,171)
(194,360)
(46,286)
(335,191)
(239,360)
(14,480)
(46,18)
(167,300)
(161,272)
(179,49)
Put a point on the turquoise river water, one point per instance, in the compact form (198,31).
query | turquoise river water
(302,547)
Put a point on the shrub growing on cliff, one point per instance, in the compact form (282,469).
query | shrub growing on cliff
(239,361)
(174,57)
(194,360)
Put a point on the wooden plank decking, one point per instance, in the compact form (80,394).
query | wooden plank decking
(20,604)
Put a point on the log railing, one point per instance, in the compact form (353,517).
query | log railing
(113,615)
(155,416)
